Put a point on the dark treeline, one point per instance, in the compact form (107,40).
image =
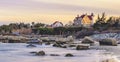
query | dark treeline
(57,30)
(12,26)
(15,26)
(105,24)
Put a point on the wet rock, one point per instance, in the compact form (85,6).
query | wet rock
(60,42)
(108,41)
(88,40)
(64,46)
(54,55)
(45,40)
(69,55)
(56,45)
(72,45)
(40,43)
(48,43)
(83,33)
(70,39)
(33,52)
(30,45)
(40,53)
(82,47)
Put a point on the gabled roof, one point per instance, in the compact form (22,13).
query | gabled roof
(89,16)
(82,16)
(57,22)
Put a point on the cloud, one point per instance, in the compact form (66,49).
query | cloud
(51,10)
(30,5)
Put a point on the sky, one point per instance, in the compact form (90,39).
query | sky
(49,11)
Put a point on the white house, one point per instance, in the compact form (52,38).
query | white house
(57,24)
(83,20)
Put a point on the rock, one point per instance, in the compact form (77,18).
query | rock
(72,45)
(69,55)
(30,45)
(108,41)
(70,38)
(40,43)
(33,52)
(48,43)
(83,33)
(60,42)
(59,45)
(87,40)
(118,42)
(54,55)
(40,53)
(56,45)
(45,40)
(82,47)
(96,43)
(64,46)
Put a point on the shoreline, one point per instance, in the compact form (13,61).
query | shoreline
(88,56)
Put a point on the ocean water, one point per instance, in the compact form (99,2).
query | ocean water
(18,52)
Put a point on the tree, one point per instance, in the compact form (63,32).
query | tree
(101,20)
(38,25)
(113,22)
(110,21)
(101,23)
(5,28)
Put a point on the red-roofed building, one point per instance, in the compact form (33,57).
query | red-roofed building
(84,20)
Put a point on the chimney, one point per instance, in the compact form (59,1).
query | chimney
(92,14)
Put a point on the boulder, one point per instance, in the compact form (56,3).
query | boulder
(33,52)
(40,43)
(87,40)
(64,46)
(69,55)
(59,45)
(108,41)
(70,38)
(60,42)
(82,47)
(56,45)
(30,45)
(96,43)
(71,45)
(54,55)
(47,43)
(40,53)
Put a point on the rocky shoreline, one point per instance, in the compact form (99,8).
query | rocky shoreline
(68,43)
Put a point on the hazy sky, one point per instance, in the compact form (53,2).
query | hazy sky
(48,11)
